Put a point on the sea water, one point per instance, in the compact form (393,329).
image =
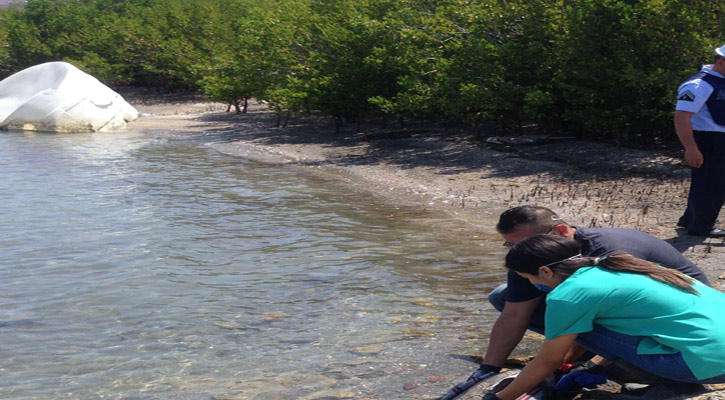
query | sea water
(141,265)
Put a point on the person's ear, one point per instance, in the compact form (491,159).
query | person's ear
(564,230)
(546,272)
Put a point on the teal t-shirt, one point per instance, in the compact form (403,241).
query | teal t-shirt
(670,320)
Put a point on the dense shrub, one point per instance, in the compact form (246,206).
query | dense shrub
(596,68)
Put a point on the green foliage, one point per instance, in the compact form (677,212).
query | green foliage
(600,68)
(350,57)
(626,60)
(166,40)
(24,44)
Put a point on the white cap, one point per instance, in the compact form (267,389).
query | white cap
(720,51)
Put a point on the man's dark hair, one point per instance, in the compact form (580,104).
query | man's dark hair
(540,219)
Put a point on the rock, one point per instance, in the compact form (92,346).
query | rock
(59,97)
(367,350)
(331,395)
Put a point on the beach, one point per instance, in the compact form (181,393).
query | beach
(468,176)
(471,179)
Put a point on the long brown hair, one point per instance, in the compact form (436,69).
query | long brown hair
(562,255)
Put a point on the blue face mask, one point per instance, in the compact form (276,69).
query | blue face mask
(543,288)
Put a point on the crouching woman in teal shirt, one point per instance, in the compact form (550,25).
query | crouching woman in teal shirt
(619,307)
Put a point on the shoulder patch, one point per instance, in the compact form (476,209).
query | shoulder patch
(686,96)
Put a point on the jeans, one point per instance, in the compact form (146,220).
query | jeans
(613,345)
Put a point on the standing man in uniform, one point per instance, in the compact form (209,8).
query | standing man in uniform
(700,126)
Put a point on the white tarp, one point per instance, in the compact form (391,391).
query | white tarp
(57,96)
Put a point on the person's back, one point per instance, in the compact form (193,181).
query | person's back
(619,307)
(665,316)
(597,242)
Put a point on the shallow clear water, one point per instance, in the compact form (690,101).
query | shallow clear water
(151,266)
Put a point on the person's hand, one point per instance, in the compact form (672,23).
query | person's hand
(485,369)
(587,375)
(694,158)
(588,366)
(490,396)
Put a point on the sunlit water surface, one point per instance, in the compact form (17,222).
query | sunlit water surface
(151,266)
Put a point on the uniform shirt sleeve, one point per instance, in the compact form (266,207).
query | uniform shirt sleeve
(691,95)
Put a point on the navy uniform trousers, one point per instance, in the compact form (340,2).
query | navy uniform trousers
(707,185)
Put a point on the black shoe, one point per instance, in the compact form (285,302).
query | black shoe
(714,232)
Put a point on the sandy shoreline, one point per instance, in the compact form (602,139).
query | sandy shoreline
(589,184)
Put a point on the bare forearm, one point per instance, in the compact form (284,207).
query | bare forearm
(534,373)
(546,362)
(574,353)
(683,128)
(505,336)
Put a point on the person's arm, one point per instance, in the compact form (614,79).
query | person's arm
(574,353)
(683,127)
(508,330)
(546,362)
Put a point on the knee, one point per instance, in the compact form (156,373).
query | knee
(497,297)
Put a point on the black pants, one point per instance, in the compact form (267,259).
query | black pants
(707,187)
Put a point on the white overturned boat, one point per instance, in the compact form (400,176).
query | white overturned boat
(59,97)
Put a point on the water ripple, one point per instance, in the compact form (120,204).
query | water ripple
(151,266)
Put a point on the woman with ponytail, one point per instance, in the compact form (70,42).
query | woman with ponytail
(619,307)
